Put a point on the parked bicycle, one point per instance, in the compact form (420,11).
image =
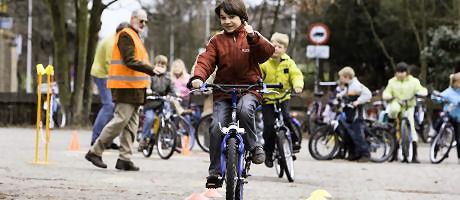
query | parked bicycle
(422,122)
(314,115)
(444,139)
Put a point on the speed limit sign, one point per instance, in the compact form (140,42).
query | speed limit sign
(318,33)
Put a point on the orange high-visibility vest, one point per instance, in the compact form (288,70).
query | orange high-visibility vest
(121,76)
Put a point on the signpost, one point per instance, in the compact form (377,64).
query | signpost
(318,34)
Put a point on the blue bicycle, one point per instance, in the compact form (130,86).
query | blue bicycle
(235,161)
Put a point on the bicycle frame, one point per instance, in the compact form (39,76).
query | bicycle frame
(233,130)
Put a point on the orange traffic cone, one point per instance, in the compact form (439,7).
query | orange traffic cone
(197,196)
(185,147)
(74,144)
(212,193)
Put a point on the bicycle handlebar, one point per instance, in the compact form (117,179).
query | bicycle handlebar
(228,88)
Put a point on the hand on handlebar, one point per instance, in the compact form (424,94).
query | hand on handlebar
(197,83)
(298,90)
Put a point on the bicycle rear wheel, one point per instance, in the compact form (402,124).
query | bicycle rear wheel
(285,158)
(441,145)
(231,170)
(166,141)
(324,143)
(183,128)
(381,144)
(406,141)
(202,132)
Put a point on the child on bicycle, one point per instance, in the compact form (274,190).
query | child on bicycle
(401,87)
(350,87)
(162,85)
(236,52)
(280,68)
(452,94)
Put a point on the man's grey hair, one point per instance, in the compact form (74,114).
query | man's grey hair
(137,12)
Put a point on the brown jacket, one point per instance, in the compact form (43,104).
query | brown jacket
(127,50)
(236,56)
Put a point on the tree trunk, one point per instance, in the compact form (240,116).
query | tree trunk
(260,25)
(61,59)
(275,17)
(81,7)
(94,27)
(420,35)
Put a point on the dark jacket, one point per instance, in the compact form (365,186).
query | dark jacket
(160,85)
(127,50)
(237,58)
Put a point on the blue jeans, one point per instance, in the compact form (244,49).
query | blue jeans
(356,132)
(105,114)
(149,115)
(246,107)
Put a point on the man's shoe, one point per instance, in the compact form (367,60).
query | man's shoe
(268,161)
(258,155)
(126,165)
(214,181)
(95,159)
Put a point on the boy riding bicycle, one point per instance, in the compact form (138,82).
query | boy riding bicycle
(350,87)
(162,85)
(280,68)
(402,87)
(236,52)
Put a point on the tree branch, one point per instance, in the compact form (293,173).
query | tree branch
(108,4)
(377,37)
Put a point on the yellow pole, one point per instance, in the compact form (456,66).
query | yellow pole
(39,100)
(48,106)
(49,72)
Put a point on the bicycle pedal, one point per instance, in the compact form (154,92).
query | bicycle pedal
(294,157)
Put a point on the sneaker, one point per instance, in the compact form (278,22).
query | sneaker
(95,159)
(214,181)
(268,161)
(126,165)
(258,155)
(296,147)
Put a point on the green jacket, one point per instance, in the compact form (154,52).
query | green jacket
(286,72)
(404,89)
(100,67)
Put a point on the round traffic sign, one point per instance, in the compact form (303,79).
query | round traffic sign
(318,33)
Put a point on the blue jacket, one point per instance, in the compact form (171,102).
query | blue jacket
(453,96)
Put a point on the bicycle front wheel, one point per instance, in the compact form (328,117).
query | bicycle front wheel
(166,140)
(441,145)
(406,141)
(184,129)
(231,170)
(202,132)
(324,143)
(285,156)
